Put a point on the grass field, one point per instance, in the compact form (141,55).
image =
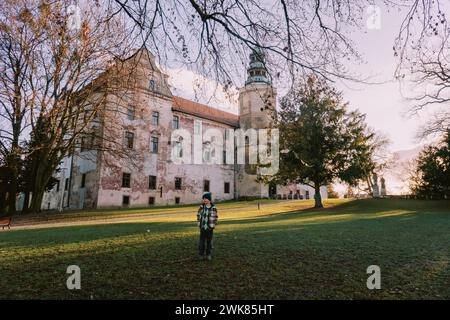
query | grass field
(283,251)
(73,216)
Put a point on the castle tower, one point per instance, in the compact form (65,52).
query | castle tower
(257,106)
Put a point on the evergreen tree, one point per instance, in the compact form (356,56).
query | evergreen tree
(320,140)
(431,178)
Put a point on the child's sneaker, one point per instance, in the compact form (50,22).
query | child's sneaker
(209,258)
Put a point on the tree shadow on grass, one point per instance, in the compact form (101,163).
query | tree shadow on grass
(340,213)
(273,257)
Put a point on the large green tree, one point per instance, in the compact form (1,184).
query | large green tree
(431,177)
(320,139)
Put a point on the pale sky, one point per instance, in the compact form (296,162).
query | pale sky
(384,104)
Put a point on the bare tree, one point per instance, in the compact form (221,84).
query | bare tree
(17,44)
(380,160)
(57,71)
(423,50)
(214,37)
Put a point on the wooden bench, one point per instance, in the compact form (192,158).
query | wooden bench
(5,222)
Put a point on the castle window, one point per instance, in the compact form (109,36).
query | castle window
(126,200)
(205,185)
(129,139)
(175,122)
(155,118)
(151,201)
(83,144)
(83,180)
(177,200)
(126,180)
(131,112)
(152,182)
(92,142)
(177,183)
(154,144)
(57,185)
(152,84)
(226,187)
(224,156)
(66,184)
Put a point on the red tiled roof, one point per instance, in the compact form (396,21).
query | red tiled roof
(204,111)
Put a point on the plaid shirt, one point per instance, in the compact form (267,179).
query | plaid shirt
(209,214)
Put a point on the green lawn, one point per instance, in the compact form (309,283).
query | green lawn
(283,251)
(75,215)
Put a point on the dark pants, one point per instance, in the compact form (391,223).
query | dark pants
(205,242)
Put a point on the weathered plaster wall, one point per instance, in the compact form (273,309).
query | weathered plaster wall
(84,197)
(160,165)
(140,161)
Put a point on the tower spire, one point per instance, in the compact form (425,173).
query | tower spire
(257,72)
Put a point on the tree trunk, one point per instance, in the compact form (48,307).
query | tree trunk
(369,185)
(36,200)
(41,179)
(2,202)
(317,196)
(38,192)
(12,192)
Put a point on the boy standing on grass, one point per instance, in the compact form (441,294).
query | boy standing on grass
(206,220)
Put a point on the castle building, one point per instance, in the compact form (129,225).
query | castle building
(142,113)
